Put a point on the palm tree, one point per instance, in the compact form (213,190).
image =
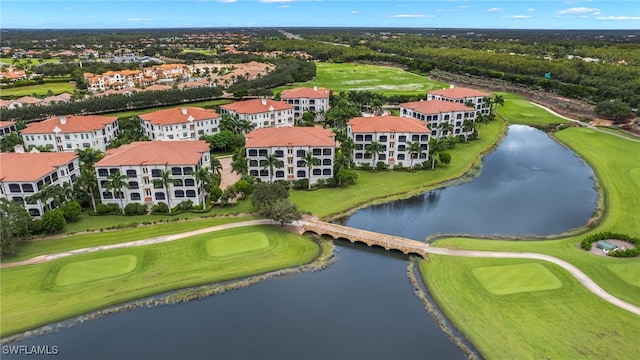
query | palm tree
(445,127)
(270,162)
(468,126)
(245,126)
(164,181)
(310,161)
(89,157)
(436,146)
(414,148)
(43,196)
(497,100)
(216,166)
(488,100)
(88,181)
(374,148)
(239,162)
(117,182)
(66,191)
(204,176)
(347,146)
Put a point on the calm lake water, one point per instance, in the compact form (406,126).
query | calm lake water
(362,306)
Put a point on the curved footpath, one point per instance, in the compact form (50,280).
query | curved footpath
(581,123)
(579,275)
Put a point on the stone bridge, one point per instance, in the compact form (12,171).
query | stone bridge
(370,238)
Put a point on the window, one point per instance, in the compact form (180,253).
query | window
(446,117)
(133,185)
(253,152)
(415,137)
(317,152)
(368,137)
(68,146)
(317,171)
(301,153)
(28,188)
(382,157)
(187,170)
(135,196)
(253,172)
(401,147)
(359,137)
(423,156)
(400,156)
(47,180)
(300,163)
(189,182)
(459,116)
(107,195)
(262,152)
(18,199)
(177,182)
(176,171)
(264,172)
(424,137)
(279,153)
(301,173)
(191,193)
(326,171)
(279,174)
(155,172)
(159,196)
(367,156)
(14,188)
(131,173)
(383,138)
(113,171)
(402,138)
(326,151)
(326,162)
(253,163)
(70,167)
(358,155)
(40,184)
(54,176)
(179,193)
(34,212)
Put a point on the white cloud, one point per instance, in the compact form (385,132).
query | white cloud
(571,2)
(494,9)
(226,1)
(618,18)
(284,6)
(579,11)
(531,9)
(516,17)
(137,19)
(411,16)
(353,12)
(275,1)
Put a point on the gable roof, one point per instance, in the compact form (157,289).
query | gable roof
(6,123)
(73,124)
(290,136)
(156,153)
(387,124)
(256,106)
(179,115)
(305,92)
(459,93)
(30,167)
(435,106)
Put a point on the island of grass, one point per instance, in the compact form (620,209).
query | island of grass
(80,284)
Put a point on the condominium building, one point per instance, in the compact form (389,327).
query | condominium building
(290,146)
(393,133)
(305,99)
(436,112)
(7,127)
(23,175)
(68,133)
(471,97)
(262,113)
(143,162)
(187,123)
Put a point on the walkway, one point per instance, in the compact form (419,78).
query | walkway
(581,123)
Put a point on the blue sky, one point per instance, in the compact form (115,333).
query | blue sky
(516,14)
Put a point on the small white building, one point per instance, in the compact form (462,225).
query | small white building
(465,96)
(7,127)
(68,133)
(305,99)
(23,175)
(143,161)
(436,112)
(187,123)
(393,133)
(290,145)
(263,113)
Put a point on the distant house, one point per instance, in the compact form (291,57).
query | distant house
(142,162)
(393,133)
(436,112)
(290,145)
(606,246)
(464,96)
(68,133)
(262,113)
(187,123)
(7,127)
(306,99)
(23,175)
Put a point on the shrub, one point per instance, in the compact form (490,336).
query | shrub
(321,183)
(381,165)
(102,209)
(185,205)
(53,221)
(160,208)
(398,167)
(301,184)
(588,241)
(347,177)
(365,166)
(71,211)
(135,209)
(331,182)
(35,227)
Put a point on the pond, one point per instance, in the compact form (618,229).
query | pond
(363,305)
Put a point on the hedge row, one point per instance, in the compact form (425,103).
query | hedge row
(588,241)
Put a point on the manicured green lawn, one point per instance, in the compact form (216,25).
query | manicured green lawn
(381,186)
(39,90)
(565,322)
(381,79)
(29,249)
(32,296)
(236,244)
(619,132)
(124,114)
(518,110)
(629,272)
(514,279)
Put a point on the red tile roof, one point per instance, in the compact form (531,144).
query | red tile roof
(6,123)
(30,167)
(459,93)
(435,106)
(389,124)
(155,153)
(179,115)
(256,106)
(74,124)
(305,92)
(290,136)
